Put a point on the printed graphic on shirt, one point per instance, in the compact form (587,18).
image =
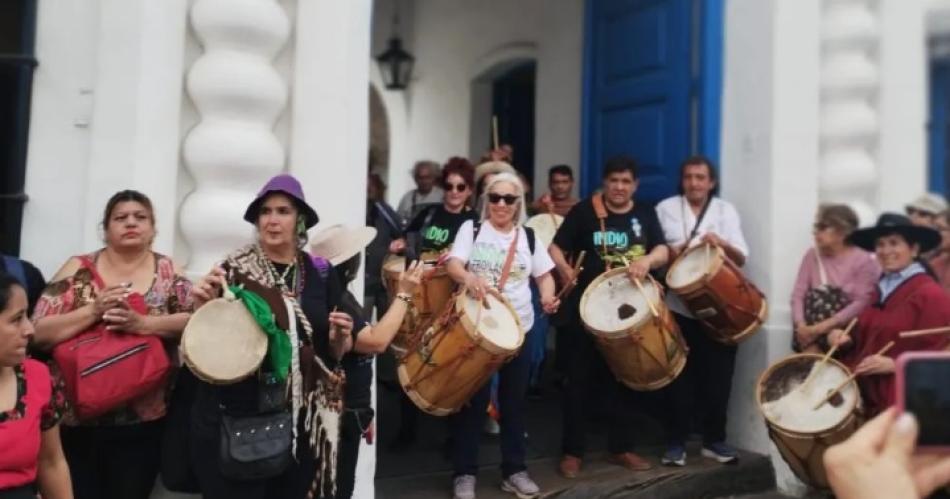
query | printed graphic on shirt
(623,244)
(488,260)
(435,237)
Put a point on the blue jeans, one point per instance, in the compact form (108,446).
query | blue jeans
(536,341)
(466,425)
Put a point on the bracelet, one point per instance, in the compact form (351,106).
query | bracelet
(405,297)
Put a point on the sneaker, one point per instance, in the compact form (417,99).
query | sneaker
(521,485)
(675,456)
(464,487)
(721,452)
(491,427)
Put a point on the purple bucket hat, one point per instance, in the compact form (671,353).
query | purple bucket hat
(286,184)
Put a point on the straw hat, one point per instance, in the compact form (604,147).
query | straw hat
(489,167)
(929,203)
(338,243)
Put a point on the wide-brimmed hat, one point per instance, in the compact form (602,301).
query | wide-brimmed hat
(286,184)
(339,243)
(929,203)
(489,167)
(893,223)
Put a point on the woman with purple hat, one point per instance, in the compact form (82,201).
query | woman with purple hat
(275,435)
(907,298)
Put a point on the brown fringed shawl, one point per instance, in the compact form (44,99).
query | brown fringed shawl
(316,391)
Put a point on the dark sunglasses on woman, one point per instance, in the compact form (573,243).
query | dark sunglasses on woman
(456,187)
(509,199)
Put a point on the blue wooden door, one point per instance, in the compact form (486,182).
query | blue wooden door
(637,90)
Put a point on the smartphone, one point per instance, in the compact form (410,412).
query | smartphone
(923,389)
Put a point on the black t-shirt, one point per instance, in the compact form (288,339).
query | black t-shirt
(630,235)
(358,367)
(437,227)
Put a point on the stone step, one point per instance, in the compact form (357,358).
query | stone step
(701,478)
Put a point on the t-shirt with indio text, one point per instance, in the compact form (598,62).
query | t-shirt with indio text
(629,235)
(437,227)
(486,259)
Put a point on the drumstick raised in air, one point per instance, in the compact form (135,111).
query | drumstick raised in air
(494,132)
(824,360)
(925,332)
(576,272)
(838,388)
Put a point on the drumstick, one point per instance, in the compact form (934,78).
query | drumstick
(494,131)
(925,332)
(653,309)
(707,254)
(831,351)
(576,271)
(838,388)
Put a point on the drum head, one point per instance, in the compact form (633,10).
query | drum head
(545,226)
(222,343)
(789,407)
(613,303)
(691,266)
(498,322)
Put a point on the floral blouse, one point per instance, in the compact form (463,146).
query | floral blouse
(39,407)
(170,293)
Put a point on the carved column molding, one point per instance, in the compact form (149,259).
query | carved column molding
(850,85)
(239,95)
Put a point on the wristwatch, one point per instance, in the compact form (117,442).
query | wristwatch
(406,297)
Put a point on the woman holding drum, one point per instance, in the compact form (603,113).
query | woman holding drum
(704,229)
(127,288)
(496,254)
(836,280)
(907,298)
(275,434)
(342,247)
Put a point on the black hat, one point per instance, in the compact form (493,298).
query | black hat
(893,223)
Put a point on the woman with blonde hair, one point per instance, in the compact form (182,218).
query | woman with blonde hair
(498,253)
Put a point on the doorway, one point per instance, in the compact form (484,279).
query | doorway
(17,61)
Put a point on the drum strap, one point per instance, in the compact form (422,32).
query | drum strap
(509,259)
(601,212)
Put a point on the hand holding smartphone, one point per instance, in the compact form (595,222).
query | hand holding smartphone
(923,389)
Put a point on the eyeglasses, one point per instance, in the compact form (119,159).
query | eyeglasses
(509,199)
(456,187)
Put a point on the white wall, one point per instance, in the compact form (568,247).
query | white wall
(453,40)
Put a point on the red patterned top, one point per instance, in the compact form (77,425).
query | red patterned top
(170,293)
(38,408)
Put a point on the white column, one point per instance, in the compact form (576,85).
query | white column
(770,171)
(903,103)
(239,95)
(330,134)
(850,111)
(136,106)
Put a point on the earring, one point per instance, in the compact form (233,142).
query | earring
(301,226)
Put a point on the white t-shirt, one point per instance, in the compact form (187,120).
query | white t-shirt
(487,259)
(677,221)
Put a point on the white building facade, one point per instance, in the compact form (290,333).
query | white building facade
(197,102)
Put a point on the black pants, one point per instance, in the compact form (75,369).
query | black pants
(701,392)
(24,492)
(586,371)
(468,423)
(113,462)
(355,422)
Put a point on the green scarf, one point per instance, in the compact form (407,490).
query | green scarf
(278,344)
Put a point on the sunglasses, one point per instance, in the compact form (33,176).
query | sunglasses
(509,199)
(456,187)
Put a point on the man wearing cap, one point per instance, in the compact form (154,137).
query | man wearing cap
(425,174)
(923,211)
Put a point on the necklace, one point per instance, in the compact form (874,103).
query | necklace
(280,278)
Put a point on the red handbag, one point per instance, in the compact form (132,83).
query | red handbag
(104,369)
